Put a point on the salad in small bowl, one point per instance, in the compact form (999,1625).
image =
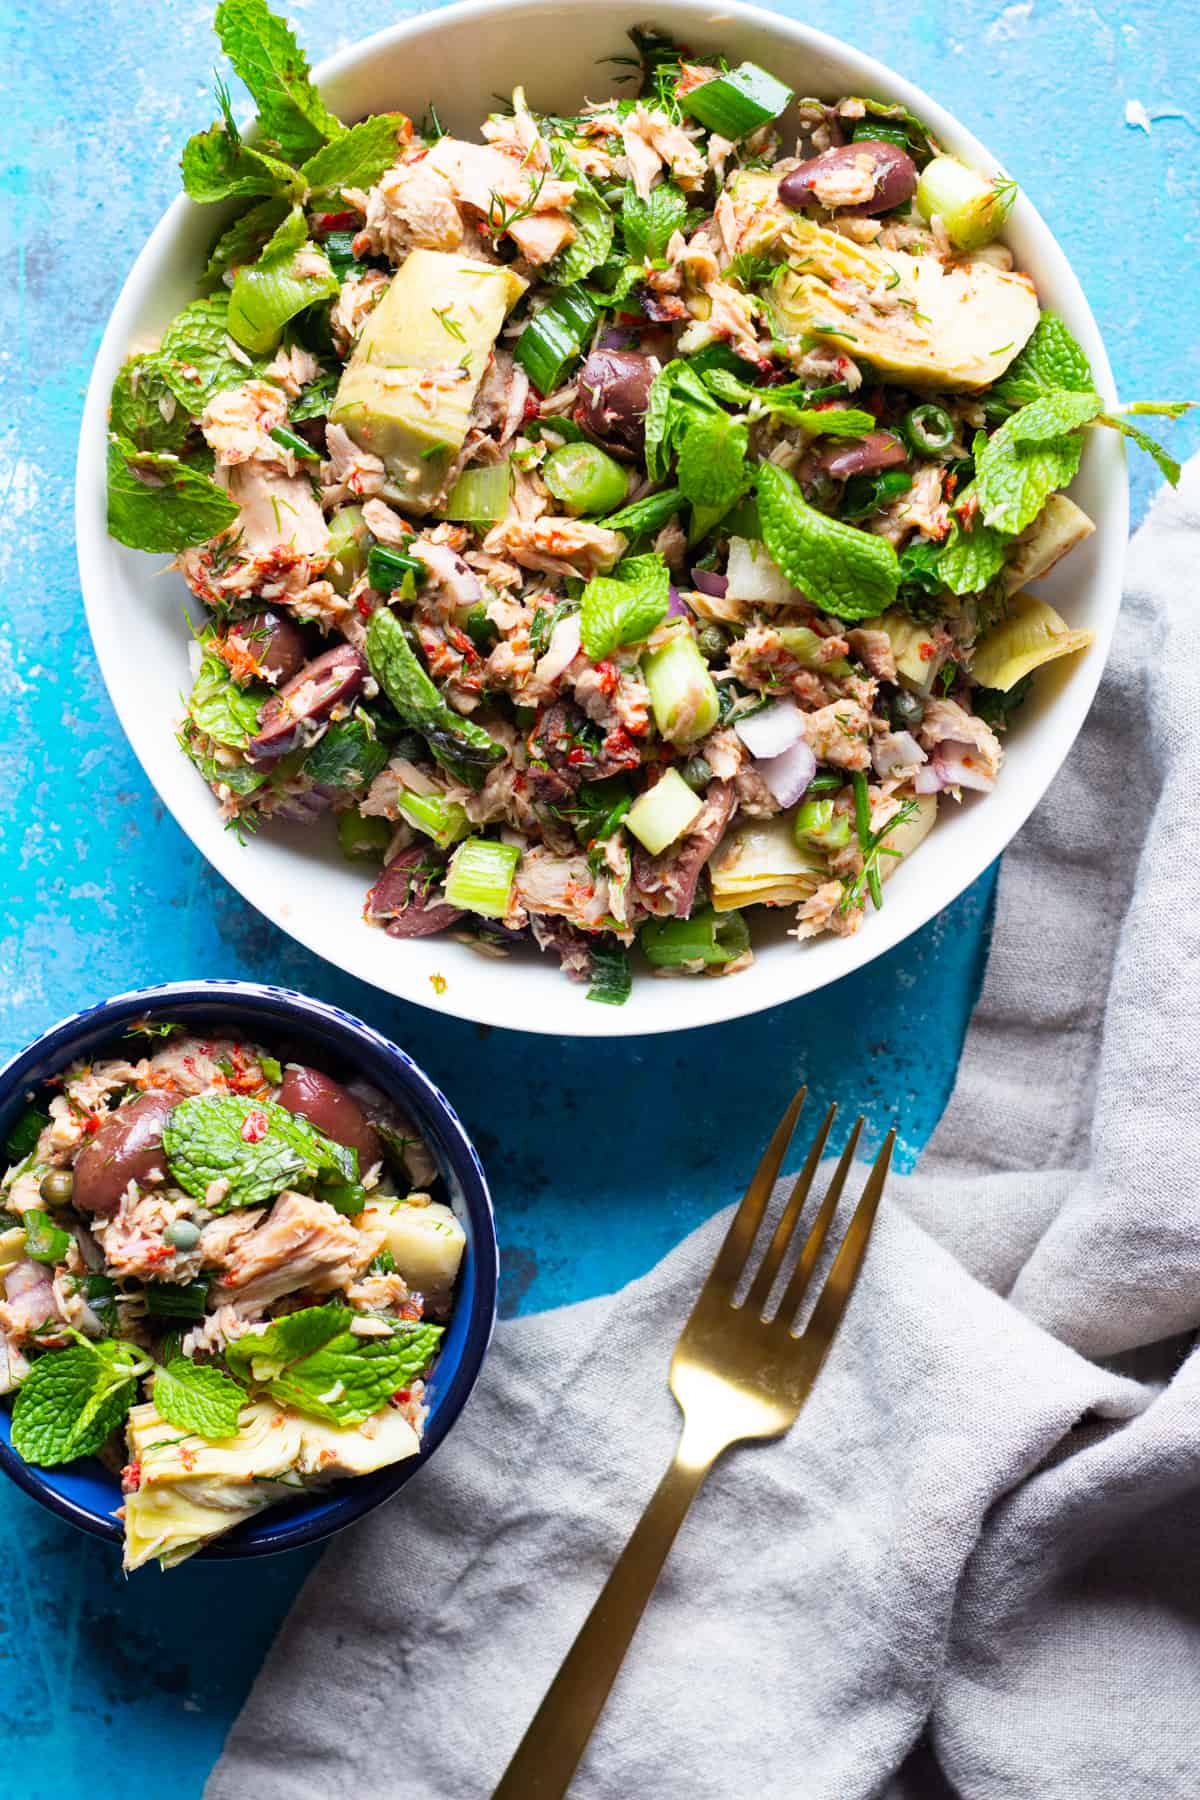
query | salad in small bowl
(245,1255)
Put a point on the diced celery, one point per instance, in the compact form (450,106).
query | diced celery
(555,336)
(664,812)
(816,823)
(363,840)
(480,876)
(445,821)
(737,101)
(708,937)
(480,495)
(682,692)
(973,210)
(347,547)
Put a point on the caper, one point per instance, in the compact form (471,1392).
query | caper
(57,1187)
(697,772)
(183,1234)
(712,642)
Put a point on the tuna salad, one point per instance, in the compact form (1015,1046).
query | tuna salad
(614,522)
(224,1275)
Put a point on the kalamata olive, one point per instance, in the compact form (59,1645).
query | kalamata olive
(863,456)
(183,1233)
(308,698)
(614,391)
(326,1104)
(127,1147)
(57,1187)
(405,895)
(275,641)
(868,176)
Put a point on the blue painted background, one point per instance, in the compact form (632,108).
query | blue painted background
(109,1687)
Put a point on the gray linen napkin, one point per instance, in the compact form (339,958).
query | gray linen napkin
(978,1530)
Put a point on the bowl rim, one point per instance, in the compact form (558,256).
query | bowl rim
(358,1497)
(725,1001)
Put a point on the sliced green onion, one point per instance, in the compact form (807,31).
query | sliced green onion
(480,876)
(929,429)
(818,824)
(664,812)
(347,548)
(267,294)
(862,809)
(707,937)
(45,1241)
(586,479)
(445,821)
(167,1301)
(682,692)
(339,248)
(973,210)
(392,572)
(599,808)
(738,101)
(555,337)
(291,440)
(611,981)
(363,840)
(26,1130)
(481,630)
(648,513)
(480,495)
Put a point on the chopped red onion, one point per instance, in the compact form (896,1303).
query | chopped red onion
(927,780)
(894,751)
(959,765)
(676,605)
(617,337)
(707,582)
(788,774)
(773,730)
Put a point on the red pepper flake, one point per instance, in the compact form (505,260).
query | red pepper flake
(131,1478)
(336,221)
(402,1396)
(362,607)
(925,652)
(607,677)
(533,404)
(91,1123)
(255,1127)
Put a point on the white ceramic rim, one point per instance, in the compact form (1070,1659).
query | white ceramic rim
(677,1005)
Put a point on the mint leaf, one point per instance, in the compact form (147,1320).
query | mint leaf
(195,354)
(1050,360)
(1166,462)
(712,460)
(1015,476)
(198,1399)
(649,225)
(216,166)
(678,398)
(220,708)
(271,63)
(592,241)
(259,1148)
(850,573)
(1052,416)
(971,557)
(144,409)
(624,607)
(830,421)
(71,1400)
(259,1356)
(359,156)
(349,1377)
(156,502)
(243,242)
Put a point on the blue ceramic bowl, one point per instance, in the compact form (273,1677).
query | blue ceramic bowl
(293,1027)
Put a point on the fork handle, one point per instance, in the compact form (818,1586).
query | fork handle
(549,1753)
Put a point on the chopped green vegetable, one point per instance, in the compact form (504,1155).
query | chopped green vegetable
(445,821)
(363,839)
(480,495)
(708,937)
(555,337)
(682,692)
(24,1133)
(738,101)
(290,275)
(393,572)
(664,812)
(296,446)
(929,429)
(611,982)
(973,210)
(585,479)
(816,822)
(71,1400)
(45,1242)
(256,1148)
(197,1398)
(158,502)
(480,876)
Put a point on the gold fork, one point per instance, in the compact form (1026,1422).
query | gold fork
(736,1375)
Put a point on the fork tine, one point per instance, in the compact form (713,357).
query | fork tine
(731,1257)
(839,1283)
(769,1268)
(796,1288)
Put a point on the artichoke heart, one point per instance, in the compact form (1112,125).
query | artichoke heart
(426,1242)
(911,318)
(909,833)
(1030,634)
(1058,528)
(407,392)
(190,1489)
(759,863)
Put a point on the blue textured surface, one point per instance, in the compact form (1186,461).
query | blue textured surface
(601,1156)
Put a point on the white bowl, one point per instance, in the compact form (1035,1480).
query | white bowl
(461,58)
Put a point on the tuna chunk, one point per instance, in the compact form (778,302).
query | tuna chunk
(304,1244)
